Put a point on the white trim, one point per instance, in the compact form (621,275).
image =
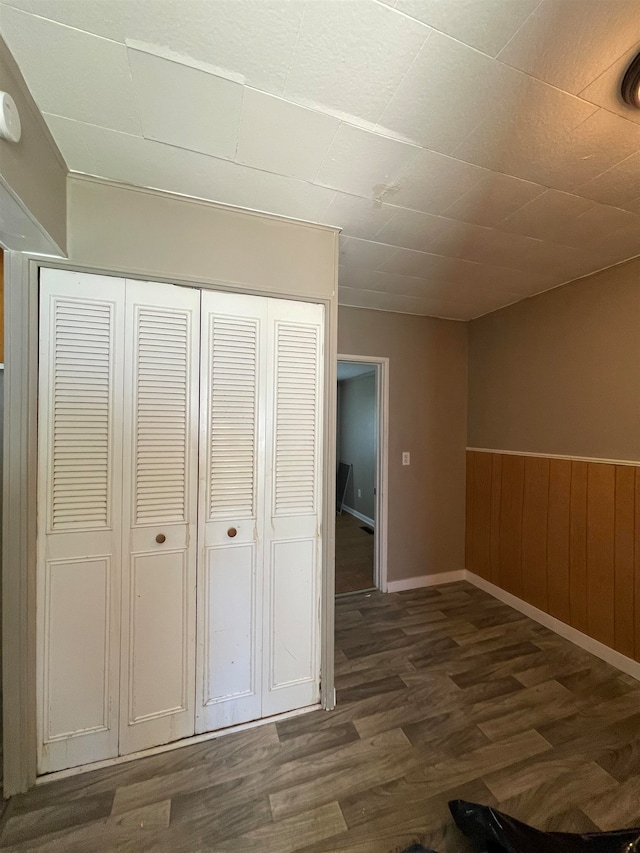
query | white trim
(629,462)
(382,464)
(611,656)
(426,580)
(169,747)
(359,515)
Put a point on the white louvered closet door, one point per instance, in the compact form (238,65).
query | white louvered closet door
(291,661)
(258,585)
(230,572)
(79,531)
(160,494)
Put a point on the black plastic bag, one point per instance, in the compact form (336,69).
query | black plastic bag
(496,832)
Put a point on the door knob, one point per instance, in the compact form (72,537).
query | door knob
(231,532)
(160,538)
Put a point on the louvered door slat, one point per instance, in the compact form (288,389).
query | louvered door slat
(82,368)
(296,427)
(162,412)
(233,412)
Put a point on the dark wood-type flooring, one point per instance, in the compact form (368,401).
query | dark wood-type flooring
(443,693)
(354,555)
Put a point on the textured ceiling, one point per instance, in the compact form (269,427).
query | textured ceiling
(474,152)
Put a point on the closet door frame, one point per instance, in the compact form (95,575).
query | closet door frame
(19,532)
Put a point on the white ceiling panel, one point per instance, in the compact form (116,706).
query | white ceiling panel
(290,197)
(72,73)
(364,253)
(605,89)
(604,227)
(364,163)
(70,139)
(403,304)
(527,255)
(412,230)
(358,217)
(351,56)
(281,137)
(359,279)
(206,120)
(569,43)
(126,158)
(460,240)
(484,24)
(413,263)
(253,39)
(432,182)
(556,140)
(510,279)
(383,282)
(547,216)
(93,16)
(618,186)
(493,198)
(462,181)
(446,92)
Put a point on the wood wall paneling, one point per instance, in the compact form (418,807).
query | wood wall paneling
(496,496)
(578,546)
(534,531)
(561,535)
(481,542)
(623,560)
(469,520)
(601,481)
(636,566)
(558,525)
(510,546)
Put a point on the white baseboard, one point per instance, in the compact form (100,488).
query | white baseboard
(426,580)
(611,656)
(359,516)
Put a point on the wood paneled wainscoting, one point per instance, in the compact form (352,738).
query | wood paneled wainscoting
(562,535)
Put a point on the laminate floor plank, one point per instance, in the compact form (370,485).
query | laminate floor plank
(443,693)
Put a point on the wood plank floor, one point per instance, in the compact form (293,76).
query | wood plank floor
(354,555)
(442,693)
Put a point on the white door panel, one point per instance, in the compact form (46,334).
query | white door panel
(160,511)
(260,420)
(292,528)
(79,525)
(230,576)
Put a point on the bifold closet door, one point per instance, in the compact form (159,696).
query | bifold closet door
(160,452)
(260,538)
(230,570)
(79,519)
(293,517)
(117,516)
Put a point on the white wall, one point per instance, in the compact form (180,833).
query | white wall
(123,229)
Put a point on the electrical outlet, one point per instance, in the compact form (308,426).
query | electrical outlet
(406,458)
(359,493)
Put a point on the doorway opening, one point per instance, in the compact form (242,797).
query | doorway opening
(361,439)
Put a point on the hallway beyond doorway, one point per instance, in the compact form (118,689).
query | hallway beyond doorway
(354,555)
